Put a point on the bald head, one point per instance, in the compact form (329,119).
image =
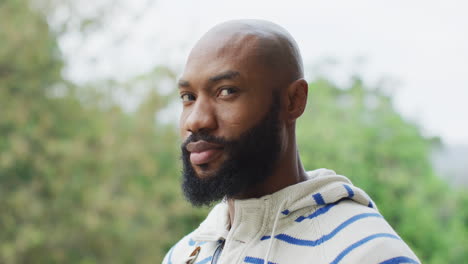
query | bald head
(238,68)
(270,47)
(242,90)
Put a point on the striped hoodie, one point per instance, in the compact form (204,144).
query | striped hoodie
(322,220)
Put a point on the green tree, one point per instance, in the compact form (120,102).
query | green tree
(81,181)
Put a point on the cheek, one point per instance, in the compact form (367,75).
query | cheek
(236,120)
(182,130)
(229,119)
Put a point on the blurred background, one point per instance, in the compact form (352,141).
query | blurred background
(89,150)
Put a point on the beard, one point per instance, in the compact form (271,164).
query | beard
(251,159)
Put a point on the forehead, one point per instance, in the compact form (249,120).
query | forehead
(221,53)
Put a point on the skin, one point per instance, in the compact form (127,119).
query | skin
(227,88)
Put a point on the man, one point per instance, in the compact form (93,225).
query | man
(242,90)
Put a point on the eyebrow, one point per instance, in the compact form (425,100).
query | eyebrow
(227,75)
(183,83)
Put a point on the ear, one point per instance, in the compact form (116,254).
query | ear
(296,99)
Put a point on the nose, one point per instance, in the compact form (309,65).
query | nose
(200,118)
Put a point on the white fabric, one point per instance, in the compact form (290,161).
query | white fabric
(322,220)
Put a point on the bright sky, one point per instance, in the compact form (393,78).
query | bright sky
(421,44)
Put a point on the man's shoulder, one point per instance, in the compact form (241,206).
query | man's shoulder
(205,235)
(180,247)
(348,231)
(189,247)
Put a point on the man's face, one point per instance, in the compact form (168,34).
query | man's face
(230,122)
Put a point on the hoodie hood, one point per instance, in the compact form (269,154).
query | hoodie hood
(325,219)
(324,189)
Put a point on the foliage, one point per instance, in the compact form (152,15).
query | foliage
(82,181)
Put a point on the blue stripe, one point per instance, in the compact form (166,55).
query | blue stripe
(204,261)
(313,243)
(318,199)
(349,190)
(318,212)
(255,260)
(285,212)
(399,260)
(191,242)
(265,237)
(169,261)
(370,205)
(360,243)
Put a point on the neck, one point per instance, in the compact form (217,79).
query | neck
(289,171)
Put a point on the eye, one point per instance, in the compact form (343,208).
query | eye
(227,91)
(187,97)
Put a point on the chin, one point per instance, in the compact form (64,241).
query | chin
(206,170)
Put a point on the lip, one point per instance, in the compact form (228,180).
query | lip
(202,152)
(201,146)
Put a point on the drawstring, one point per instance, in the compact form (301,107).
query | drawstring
(273,231)
(191,259)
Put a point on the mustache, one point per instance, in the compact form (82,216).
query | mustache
(194,137)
